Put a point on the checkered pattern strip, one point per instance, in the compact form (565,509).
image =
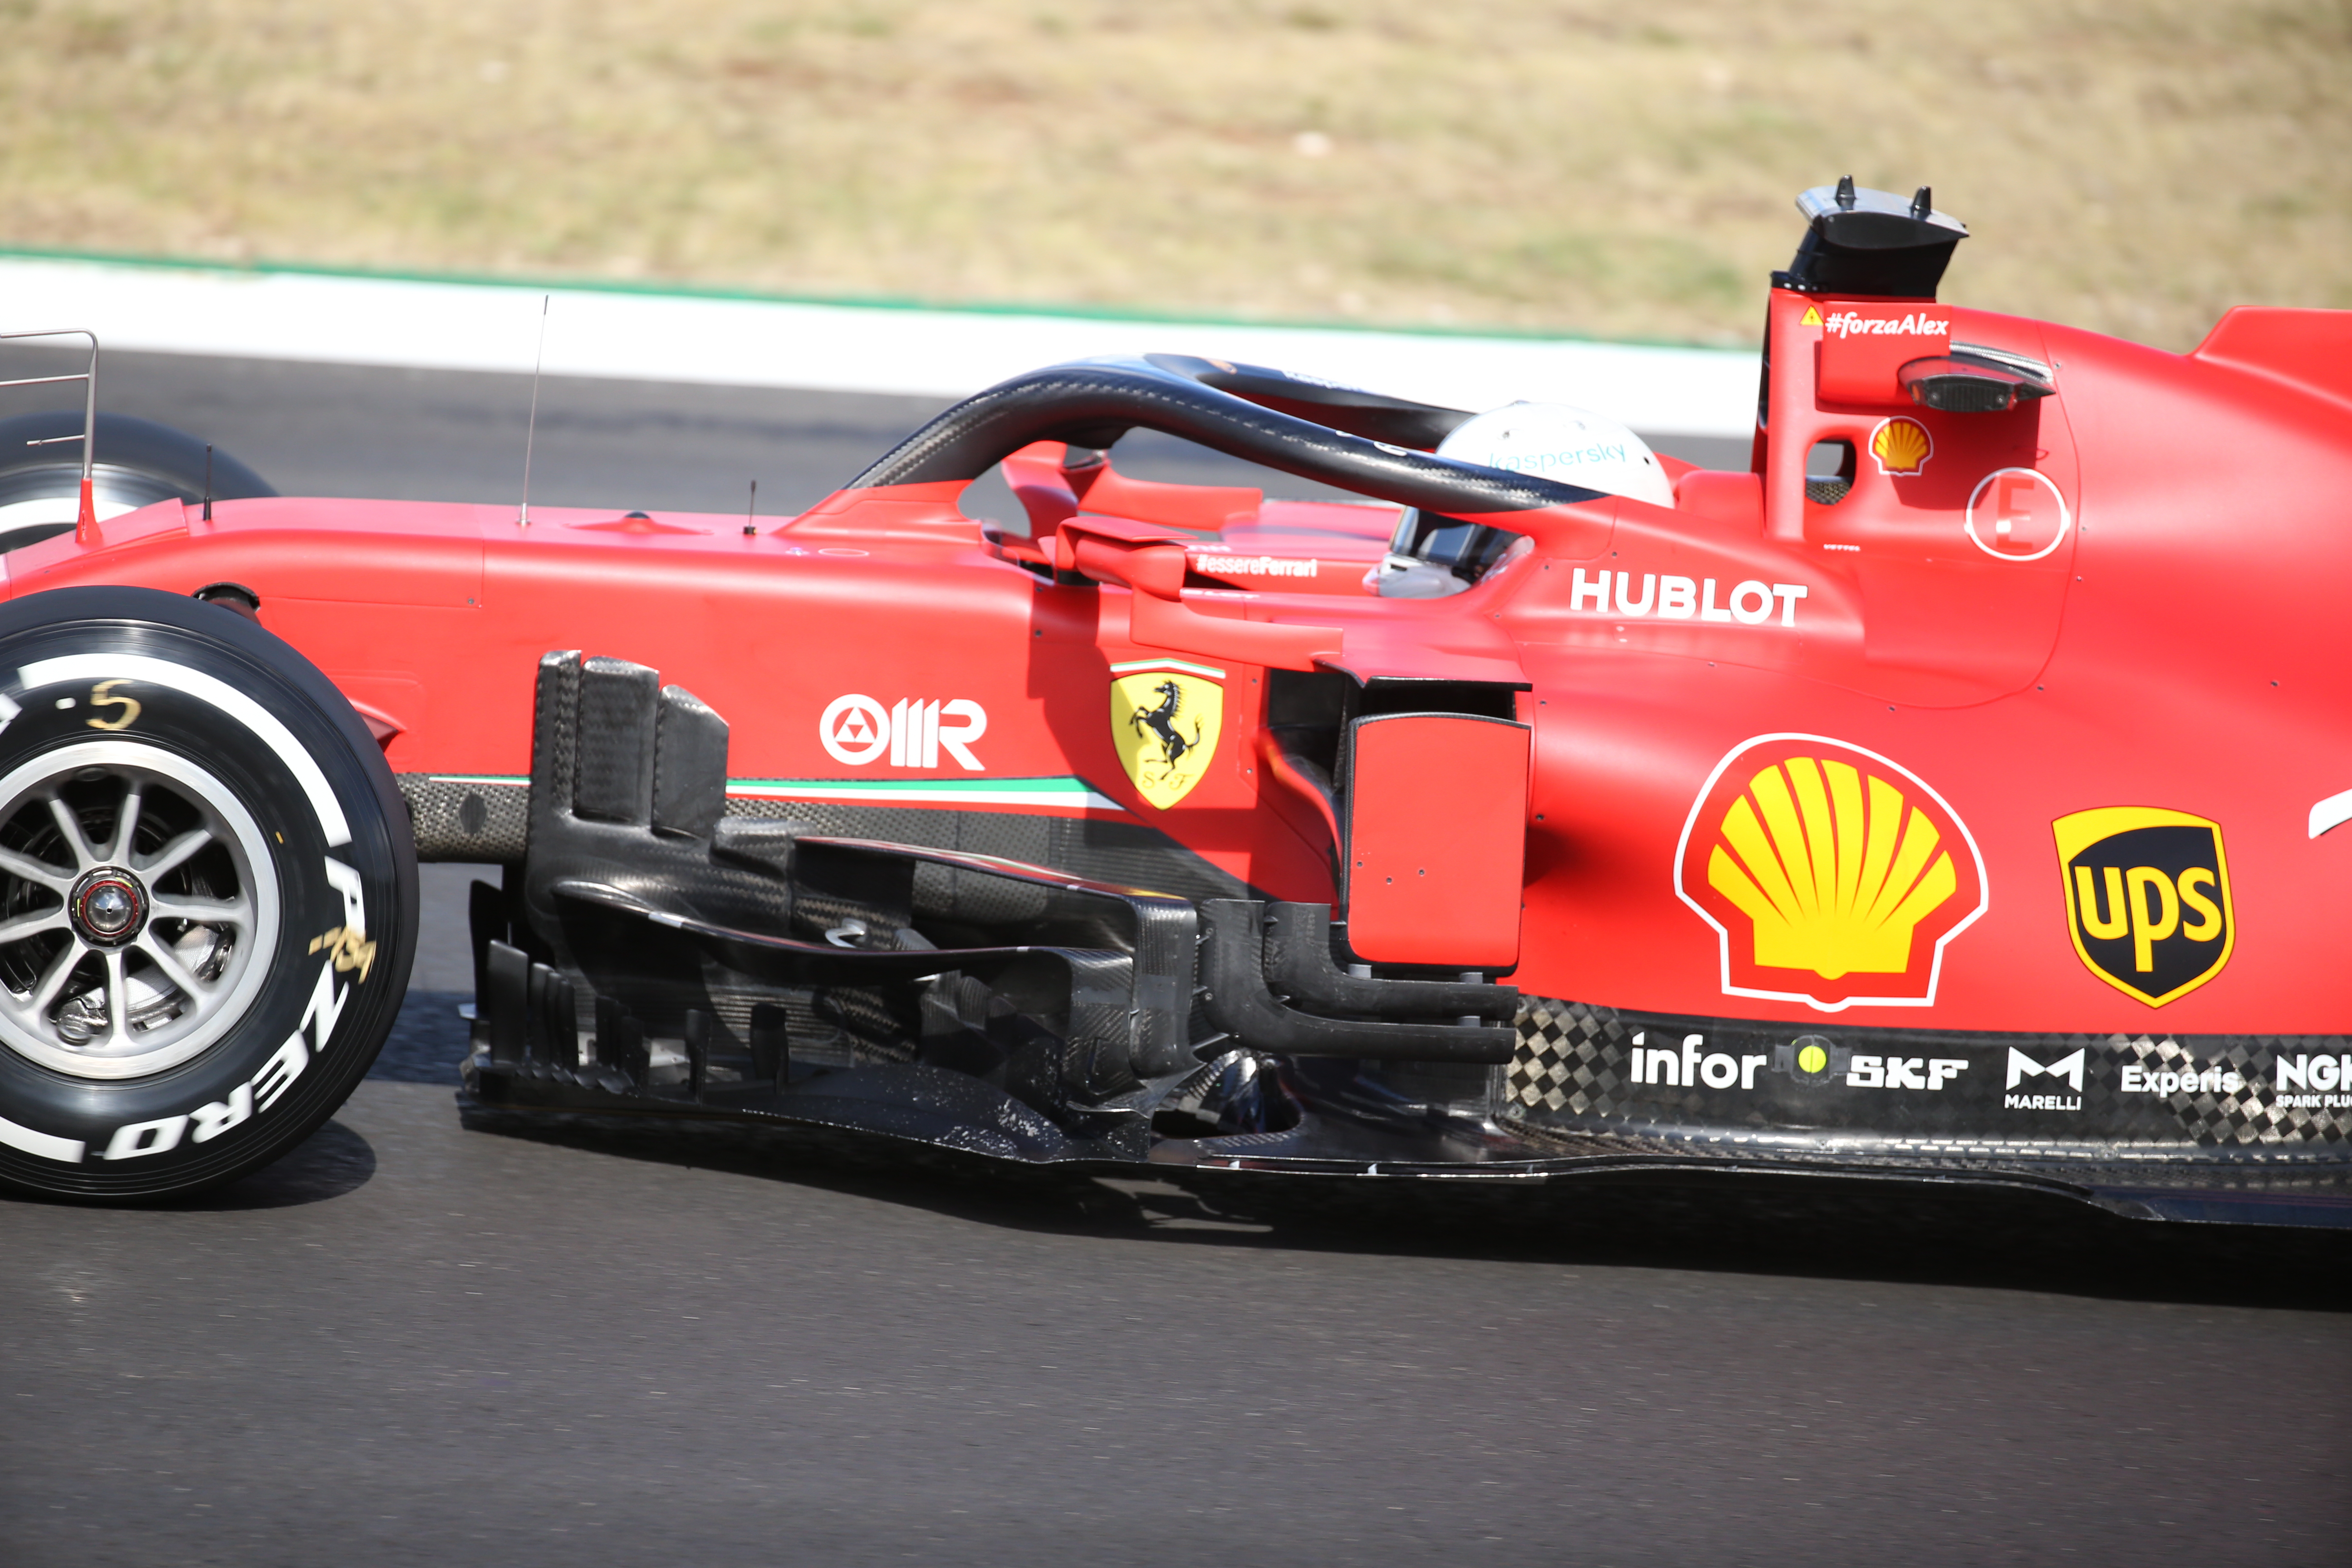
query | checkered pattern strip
(2250,1115)
(1573,1071)
(1571,1059)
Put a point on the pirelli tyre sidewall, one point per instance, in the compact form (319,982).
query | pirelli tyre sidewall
(281,1001)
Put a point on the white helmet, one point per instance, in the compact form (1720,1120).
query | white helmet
(1544,440)
(1553,441)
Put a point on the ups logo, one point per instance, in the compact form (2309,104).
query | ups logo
(2148,897)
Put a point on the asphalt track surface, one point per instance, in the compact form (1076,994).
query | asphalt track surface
(415,1341)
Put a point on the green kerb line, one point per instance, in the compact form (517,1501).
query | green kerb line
(1059,792)
(663,291)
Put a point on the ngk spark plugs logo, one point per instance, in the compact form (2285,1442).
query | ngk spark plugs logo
(857,729)
(1830,875)
(2148,897)
(2308,1081)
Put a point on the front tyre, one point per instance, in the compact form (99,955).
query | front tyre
(207,895)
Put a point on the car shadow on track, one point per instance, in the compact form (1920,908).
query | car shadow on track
(428,1040)
(1826,1226)
(1819,1226)
(331,1161)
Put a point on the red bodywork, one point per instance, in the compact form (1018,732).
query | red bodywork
(2167,640)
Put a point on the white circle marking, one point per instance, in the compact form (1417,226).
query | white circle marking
(855,749)
(2065,518)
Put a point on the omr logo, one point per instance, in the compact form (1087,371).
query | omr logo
(2148,897)
(1830,875)
(855,729)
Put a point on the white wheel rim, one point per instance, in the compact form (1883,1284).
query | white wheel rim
(92,1004)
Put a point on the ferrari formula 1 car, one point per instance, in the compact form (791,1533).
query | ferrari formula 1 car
(1946,797)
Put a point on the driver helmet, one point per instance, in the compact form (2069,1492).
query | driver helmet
(1544,440)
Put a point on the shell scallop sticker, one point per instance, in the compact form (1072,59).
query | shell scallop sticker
(1902,446)
(1832,876)
(2017,514)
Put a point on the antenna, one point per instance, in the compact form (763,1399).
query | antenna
(208,481)
(531,431)
(750,506)
(86,532)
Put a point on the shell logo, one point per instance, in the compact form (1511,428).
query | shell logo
(1902,446)
(1832,876)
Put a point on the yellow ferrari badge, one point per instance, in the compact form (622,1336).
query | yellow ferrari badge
(1164,719)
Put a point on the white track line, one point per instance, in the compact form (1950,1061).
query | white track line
(839,348)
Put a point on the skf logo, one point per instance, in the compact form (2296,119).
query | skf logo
(2148,897)
(855,729)
(1902,446)
(2067,1069)
(1830,875)
(1904,1072)
(1164,719)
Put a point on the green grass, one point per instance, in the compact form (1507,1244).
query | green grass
(1576,166)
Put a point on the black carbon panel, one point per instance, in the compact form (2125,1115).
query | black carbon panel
(1574,1075)
(485,823)
(555,726)
(619,702)
(1129,854)
(1140,856)
(882,1025)
(1099,1046)
(689,781)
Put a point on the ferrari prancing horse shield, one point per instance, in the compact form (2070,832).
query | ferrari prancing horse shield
(1163,723)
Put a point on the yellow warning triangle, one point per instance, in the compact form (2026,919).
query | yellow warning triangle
(1812,318)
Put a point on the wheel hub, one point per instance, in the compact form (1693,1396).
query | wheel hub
(108,907)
